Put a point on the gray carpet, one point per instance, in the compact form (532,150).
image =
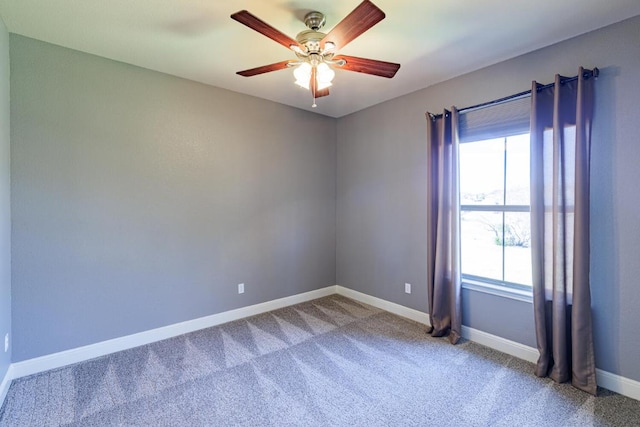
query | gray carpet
(328,362)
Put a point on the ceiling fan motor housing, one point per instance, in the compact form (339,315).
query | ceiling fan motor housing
(310,39)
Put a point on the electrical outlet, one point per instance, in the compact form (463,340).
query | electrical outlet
(6,342)
(241,288)
(407,288)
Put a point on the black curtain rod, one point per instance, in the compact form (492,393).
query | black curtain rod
(587,73)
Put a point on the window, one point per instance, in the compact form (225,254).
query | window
(494,218)
(495,228)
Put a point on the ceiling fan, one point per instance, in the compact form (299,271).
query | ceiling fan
(316,51)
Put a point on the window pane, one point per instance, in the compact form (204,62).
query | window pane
(481,234)
(517,248)
(482,172)
(517,172)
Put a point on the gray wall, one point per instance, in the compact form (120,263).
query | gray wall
(382,174)
(141,200)
(5,200)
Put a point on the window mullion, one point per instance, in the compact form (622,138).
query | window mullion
(497,208)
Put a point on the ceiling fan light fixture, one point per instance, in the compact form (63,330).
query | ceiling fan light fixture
(297,49)
(302,73)
(324,75)
(324,85)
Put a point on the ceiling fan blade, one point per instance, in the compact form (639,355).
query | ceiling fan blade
(363,17)
(322,92)
(313,85)
(368,66)
(264,69)
(263,28)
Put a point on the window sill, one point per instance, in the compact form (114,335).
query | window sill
(501,291)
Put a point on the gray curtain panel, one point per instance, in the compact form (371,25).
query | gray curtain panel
(560,156)
(443,218)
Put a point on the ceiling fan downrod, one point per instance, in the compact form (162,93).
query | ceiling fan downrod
(314,20)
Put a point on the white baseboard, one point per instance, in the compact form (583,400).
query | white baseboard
(503,345)
(75,355)
(391,307)
(619,384)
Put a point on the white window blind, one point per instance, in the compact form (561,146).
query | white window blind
(504,119)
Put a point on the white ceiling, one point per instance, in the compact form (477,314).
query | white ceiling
(196,39)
